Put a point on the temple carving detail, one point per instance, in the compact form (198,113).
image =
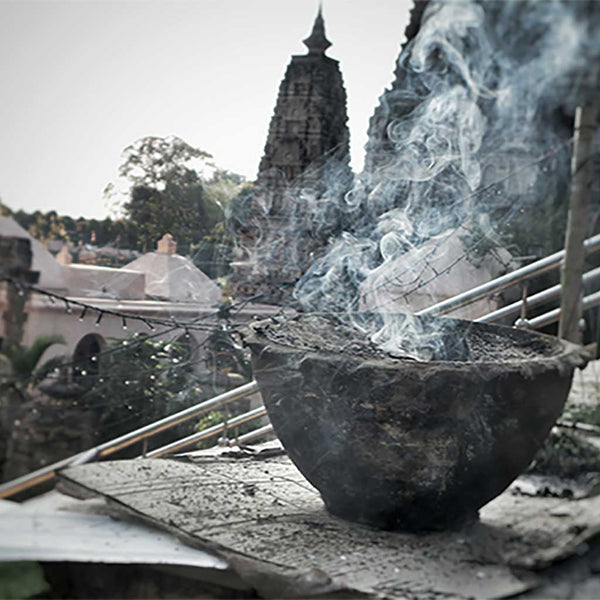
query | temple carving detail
(304,172)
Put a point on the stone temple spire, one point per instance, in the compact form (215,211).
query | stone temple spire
(294,208)
(316,42)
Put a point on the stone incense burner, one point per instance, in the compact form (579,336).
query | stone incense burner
(404,443)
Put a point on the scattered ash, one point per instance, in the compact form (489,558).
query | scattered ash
(430,339)
(566,454)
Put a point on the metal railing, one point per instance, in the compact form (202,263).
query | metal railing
(590,301)
(505,281)
(525,273)
(550,293)
(190,440)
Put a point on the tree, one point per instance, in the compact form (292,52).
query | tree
(154,162)
(172,187)
(214,253)
(4,210)
(239,209)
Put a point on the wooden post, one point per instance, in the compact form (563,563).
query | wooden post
(577,226)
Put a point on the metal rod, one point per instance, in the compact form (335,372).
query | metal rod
(180,417)
(501,283)
(255,413)
(578,225)
(548,294)
(552,316)
(253,435)
(47,473)
(525,285)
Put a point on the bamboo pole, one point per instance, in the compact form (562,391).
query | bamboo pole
(577,226)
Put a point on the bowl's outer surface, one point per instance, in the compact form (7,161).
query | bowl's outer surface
(408,445)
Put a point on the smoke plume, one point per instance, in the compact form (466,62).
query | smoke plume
(468,155)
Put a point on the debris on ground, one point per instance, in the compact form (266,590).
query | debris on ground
(567,466)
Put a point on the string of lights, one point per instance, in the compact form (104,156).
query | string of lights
(85,309)
(158,327)
(93,309)
(137,401)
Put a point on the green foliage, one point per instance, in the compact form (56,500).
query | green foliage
(24,359)
(49,226)
(225,357)
(155,162)
(4,210)
(214,253)
(209,420)
(50,367)
(216,417)
(565,454)
(140,380)
(537,228)
(584,414)
(187,213)
(21,580)
(171,187)
(239,209)
(168,194)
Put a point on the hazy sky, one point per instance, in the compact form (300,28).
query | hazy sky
(83,79)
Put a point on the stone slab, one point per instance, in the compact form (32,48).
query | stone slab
(265,520)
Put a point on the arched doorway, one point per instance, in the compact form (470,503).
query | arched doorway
(86,357)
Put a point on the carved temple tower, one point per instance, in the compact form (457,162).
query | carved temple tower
(302,176)
(397,101)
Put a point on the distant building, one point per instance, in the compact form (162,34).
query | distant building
(169,276)
(302,176)
(159,284)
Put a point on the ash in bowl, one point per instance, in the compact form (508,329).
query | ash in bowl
(404,337)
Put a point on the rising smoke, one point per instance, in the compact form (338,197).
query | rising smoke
(470,145)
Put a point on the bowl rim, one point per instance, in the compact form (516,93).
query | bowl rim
(568,353)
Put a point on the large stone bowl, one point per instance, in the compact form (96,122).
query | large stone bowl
(408,444)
